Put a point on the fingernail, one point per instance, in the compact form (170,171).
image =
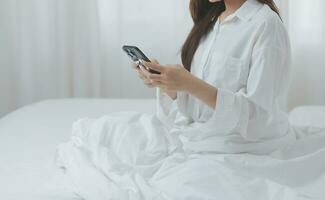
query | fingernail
(141,67)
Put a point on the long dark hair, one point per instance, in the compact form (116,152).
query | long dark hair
(204,15)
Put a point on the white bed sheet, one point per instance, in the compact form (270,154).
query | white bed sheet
(308,116)
(28,138)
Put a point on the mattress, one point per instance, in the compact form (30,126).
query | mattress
(29,136)
(28,140)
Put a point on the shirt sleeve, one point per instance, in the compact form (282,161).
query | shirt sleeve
(266,84)
(168,110)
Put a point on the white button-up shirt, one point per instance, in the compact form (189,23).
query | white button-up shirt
(247,58)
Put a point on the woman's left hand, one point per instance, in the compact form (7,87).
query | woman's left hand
(172,77)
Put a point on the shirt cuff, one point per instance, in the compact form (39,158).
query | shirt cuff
(182,101)
(166,108)
(165,102)
(226,114)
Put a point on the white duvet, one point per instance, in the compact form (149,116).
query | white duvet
(130,156)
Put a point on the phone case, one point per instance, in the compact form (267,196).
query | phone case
(137,55)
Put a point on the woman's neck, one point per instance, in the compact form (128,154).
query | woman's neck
(233,5)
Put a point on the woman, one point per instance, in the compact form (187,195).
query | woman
(220,132)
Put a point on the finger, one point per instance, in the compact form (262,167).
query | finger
(135,65)
(141,73)
(141,76)
(144,71)
(153,60)
(154,66)
(152,82)
(157,84)
(156,77)
(149,83)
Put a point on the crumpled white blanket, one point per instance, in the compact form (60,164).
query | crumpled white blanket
(131,156)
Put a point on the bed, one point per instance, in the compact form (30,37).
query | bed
(28,138)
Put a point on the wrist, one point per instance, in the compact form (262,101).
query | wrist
(174,96)
(190,83)
(171,94)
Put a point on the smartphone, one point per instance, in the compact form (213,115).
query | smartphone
(137,55)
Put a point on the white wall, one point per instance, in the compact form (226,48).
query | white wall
(306,21)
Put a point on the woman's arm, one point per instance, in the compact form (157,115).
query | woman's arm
(177,78)
(203,91)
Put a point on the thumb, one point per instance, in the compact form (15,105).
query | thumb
(155,61)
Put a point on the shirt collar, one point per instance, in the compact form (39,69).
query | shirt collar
(246,11)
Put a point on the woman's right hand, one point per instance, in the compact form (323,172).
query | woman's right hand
(144,74)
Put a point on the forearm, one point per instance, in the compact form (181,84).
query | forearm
(177,78)
(203,91)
